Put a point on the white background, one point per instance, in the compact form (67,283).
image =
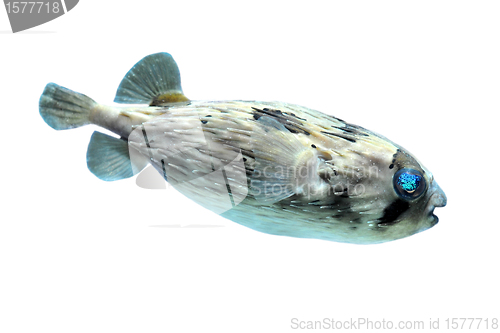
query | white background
(81,255)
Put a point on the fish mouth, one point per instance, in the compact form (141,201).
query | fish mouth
(437,199)
(434,218)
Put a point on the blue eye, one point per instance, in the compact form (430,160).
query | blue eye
(409,183)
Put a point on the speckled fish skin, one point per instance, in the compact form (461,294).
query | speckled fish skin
(347,193)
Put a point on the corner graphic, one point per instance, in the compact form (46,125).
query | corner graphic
(28,14)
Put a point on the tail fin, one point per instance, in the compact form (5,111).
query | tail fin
(62,108)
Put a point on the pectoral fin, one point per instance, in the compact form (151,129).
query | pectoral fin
(284,166)
(275,149)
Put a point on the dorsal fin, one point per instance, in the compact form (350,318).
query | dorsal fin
(154,80)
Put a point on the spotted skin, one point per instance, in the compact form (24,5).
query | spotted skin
(358,165)
(286,169)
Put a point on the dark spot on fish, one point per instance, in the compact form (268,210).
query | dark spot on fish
(208,115)
(164,172)
(291,123)
(345,193)
(344,206)
(393,211)
(391,166)
(343,129)
(244,159)
(314,146)
(340,136)
(293,115)
(247,152)
(204,121)
(338,208)
(326,174)
(353,228)
(357,220)
(350,129)
(338,119)
(404,160)
(314,201)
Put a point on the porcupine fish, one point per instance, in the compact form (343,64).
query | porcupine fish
(287,169)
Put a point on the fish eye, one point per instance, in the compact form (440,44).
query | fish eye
(409,184)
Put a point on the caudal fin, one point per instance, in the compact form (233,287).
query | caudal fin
(62,108)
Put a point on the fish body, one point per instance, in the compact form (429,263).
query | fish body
(274,167)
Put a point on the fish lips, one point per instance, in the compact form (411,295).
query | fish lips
(437,199)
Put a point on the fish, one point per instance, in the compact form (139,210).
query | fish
(274,167)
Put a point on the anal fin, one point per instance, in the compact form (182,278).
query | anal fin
(109,159)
